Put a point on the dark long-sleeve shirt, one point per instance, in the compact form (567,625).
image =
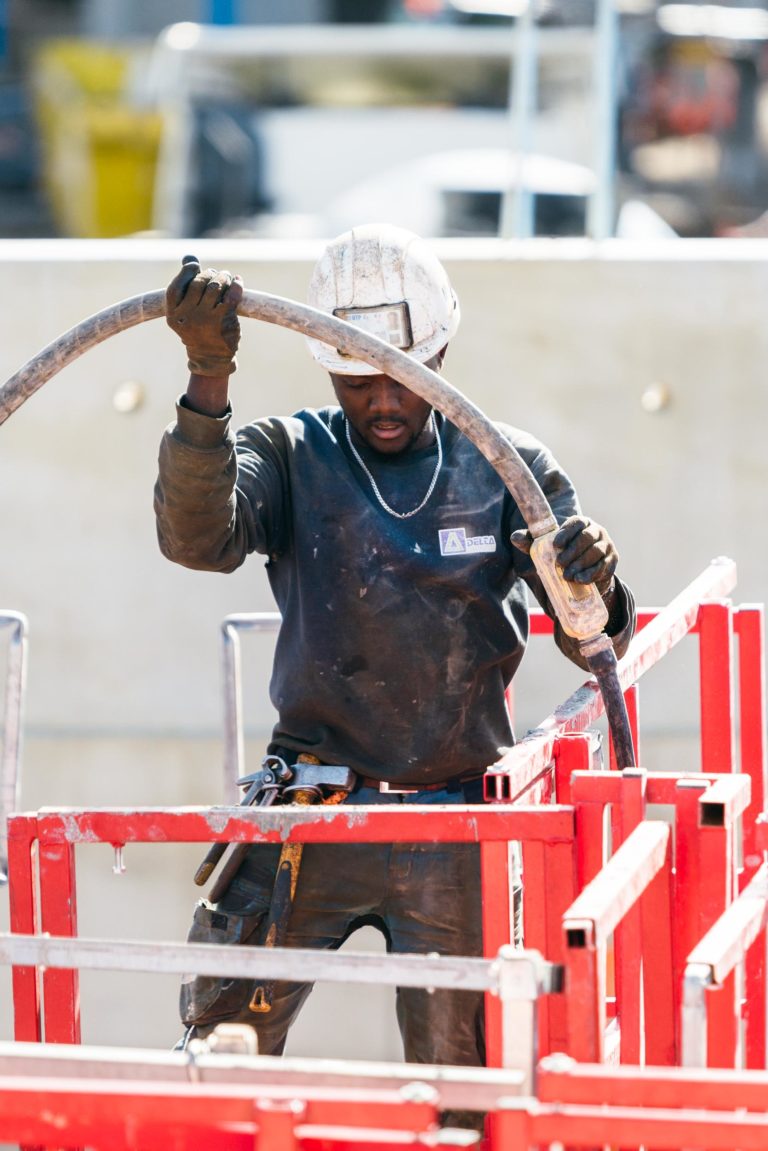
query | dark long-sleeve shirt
(398,636)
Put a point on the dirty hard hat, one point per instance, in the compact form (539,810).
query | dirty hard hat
(390,283)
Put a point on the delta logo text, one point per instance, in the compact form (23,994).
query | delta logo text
(456,542)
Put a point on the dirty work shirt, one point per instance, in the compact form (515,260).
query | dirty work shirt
(399,636)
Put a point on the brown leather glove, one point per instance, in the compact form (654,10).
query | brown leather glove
(201,307)
(585,552)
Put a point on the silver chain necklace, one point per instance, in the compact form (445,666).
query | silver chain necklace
(375,486)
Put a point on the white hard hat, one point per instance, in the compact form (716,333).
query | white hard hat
(389,282)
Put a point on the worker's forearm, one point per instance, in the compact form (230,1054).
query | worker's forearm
(208,395)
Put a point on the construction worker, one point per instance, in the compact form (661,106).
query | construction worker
(404,618)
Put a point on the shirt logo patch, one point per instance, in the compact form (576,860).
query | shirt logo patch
(456,542)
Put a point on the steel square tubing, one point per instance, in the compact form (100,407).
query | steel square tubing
(59,1112)
(456,1087)
(599,908)
(710,966)
(749,624)
(318,824)
(590,920)
(528,1124)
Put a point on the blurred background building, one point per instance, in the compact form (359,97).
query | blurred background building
(454,117)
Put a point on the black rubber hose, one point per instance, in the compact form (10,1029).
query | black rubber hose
(602,662)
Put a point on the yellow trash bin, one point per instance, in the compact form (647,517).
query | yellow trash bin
(99,149)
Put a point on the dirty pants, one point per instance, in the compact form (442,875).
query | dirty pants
(424,897)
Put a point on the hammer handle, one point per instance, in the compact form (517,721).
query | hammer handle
(216,851)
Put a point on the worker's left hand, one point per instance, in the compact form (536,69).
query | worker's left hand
(585,551)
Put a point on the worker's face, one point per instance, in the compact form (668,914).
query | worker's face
(385,415)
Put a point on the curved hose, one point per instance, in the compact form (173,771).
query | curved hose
(301,318)
(500,453)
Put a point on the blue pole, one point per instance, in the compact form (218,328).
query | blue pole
(222,11)
(3,30)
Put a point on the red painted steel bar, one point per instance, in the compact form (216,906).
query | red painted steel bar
(539,1125)
(563,1080)
(550,886)
(605,900)
(724,947)
(497,931)
(749,623)
(333,824)
(69,1112)
(659,1000)
(685,908)
(628,937)
(707,811)
(750,628)
(679,618)
(716,673)
(493,827)
(719,810)
(729,938)
(23,919)
(588,923)
(58,916)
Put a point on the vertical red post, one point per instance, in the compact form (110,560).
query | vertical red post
(573,752)
(718,884)
(276,1124)
(590,840)
(58,916)
(661,998)
(717,683)
(22,840)
(585,997)
(750,628)
(549,883)
(496,897)
(749,622)
(755,1005)
(628,936)
(509,1128)
(535,924)
(686,890)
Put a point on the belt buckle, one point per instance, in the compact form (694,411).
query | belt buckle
(387,789)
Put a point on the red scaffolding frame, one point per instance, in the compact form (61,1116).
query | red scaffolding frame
(659,925)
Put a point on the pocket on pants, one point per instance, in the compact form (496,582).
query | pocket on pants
(208,999)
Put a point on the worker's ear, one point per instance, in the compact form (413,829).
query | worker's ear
(436,362)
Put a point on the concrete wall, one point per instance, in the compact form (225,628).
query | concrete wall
(124,692)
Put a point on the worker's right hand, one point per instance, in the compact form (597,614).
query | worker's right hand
(201,307)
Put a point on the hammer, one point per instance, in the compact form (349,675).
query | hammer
(314,782)
(262,790)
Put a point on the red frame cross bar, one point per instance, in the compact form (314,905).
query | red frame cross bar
(42,853)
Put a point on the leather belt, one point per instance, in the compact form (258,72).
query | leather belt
(386,788)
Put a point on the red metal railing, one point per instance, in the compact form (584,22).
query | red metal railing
(597,871)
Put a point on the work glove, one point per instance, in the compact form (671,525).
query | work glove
(585,552)
(201,307)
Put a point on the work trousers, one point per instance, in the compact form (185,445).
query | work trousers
(423,897)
